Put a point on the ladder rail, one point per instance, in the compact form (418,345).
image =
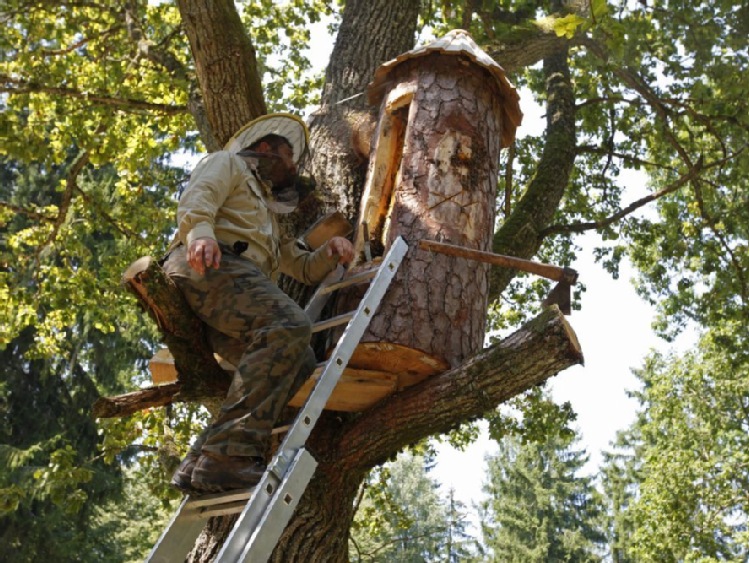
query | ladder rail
(175,547)
(313,407)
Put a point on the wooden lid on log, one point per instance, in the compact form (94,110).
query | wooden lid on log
(458,42)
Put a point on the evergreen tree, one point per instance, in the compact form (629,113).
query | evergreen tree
(460,545)
(402,517)
(540,508)
(619,478)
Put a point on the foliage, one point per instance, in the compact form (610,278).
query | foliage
(94,97)
(281,33)
(134,526)
(686,466)
(86,189)
(539,506)
(401,517)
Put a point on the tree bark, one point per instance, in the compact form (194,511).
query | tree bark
(318,531)
(225,64)
(389,27)
(439,146)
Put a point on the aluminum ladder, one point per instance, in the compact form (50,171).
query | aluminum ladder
(267,508)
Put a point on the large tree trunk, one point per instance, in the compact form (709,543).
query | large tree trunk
(225,64)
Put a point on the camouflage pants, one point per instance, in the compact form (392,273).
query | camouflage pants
(260,330)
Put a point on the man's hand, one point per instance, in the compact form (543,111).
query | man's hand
(202,253)
(342,248)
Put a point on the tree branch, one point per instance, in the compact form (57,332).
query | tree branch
(71,182)
(533,46)
(32,214)
(520,234)
(591,149)
(12,86)
(79,44)
(589,225)
(122,229)
(540,349)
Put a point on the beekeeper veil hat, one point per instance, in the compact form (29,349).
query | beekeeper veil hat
(286,125)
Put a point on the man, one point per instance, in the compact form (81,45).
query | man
(226,263)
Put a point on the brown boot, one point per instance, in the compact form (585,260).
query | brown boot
(183,475)
(216,473)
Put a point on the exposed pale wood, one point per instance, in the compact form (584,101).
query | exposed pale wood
(162,368)
(381,178)
(331,225)
(356,391)
(332,322)
(541,348)
(410,365)
(349,280)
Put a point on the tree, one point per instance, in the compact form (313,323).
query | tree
(53,475)
(402,517)
(688,498)
(539,507)
(127,83)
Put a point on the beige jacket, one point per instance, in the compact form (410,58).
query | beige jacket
(225,201)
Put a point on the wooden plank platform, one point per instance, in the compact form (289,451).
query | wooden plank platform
(376,370)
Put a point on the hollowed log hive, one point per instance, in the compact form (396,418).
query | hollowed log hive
(446,111)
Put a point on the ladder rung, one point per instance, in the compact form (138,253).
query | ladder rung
(224,509)
(353,280)
(219,498)
(280,429)
(335,321)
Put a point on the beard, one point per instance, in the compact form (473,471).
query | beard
(276,173)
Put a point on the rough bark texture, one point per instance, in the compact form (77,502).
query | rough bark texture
(444,189)
(200,378)
(225,64)
(529,48)
(318,530)
(371,33)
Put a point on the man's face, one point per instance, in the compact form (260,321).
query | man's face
(280,171)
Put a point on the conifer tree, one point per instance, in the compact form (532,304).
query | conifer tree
(683,475)
(540,507)
(402,517)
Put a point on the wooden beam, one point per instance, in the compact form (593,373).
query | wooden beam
(544,270)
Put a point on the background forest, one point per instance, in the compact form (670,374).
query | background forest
(100,105)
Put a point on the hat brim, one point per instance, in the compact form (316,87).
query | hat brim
(286,125)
